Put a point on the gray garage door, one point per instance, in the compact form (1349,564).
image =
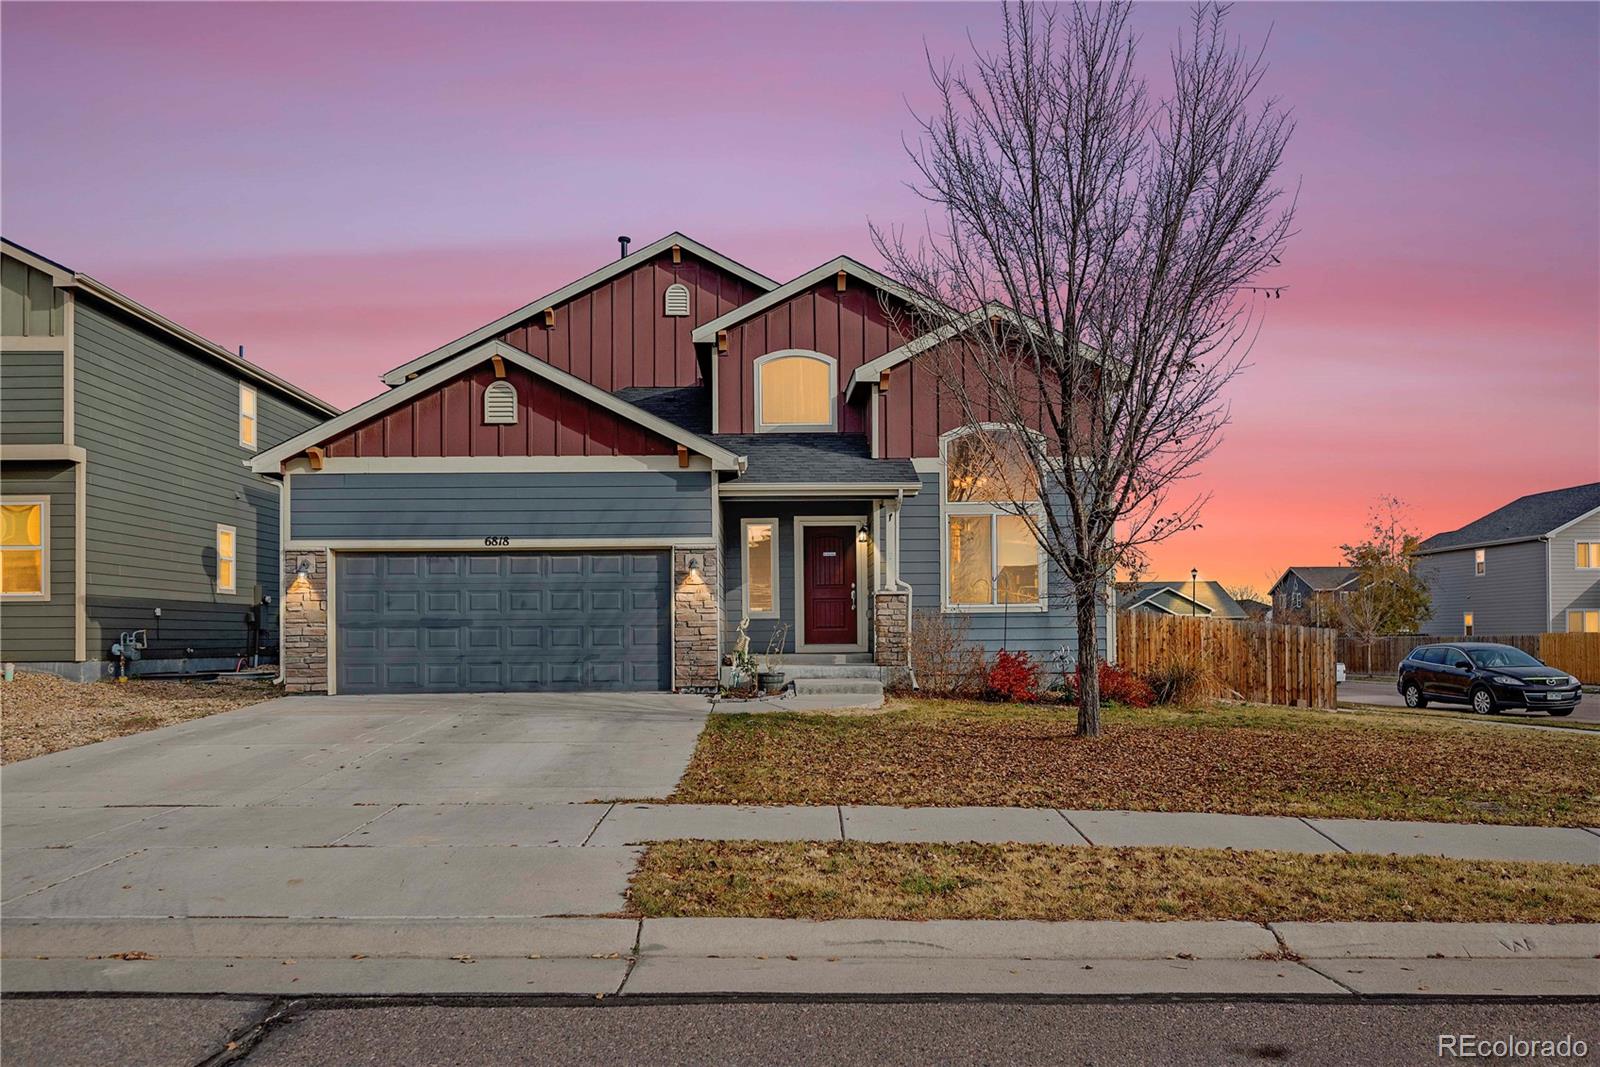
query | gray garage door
(454,622)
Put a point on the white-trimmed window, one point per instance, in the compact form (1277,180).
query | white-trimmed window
(1588,555)
(992,561)
(500,404)
(24,548)
(247,416)
(227,559)
(1583,622)
(1479,566)
(1466,624)
(675,301)
(796,391)
(760,567)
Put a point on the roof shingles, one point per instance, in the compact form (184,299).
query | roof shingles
(1524,519)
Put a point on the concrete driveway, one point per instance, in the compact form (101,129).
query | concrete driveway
(1382,693)
(348,808)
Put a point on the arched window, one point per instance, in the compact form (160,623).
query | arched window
(676,300)
(500,404)
(796,390)
(991,558)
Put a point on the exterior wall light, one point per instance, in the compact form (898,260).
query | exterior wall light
(694,566)
(861,535)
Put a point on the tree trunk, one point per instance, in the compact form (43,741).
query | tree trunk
(1088,662)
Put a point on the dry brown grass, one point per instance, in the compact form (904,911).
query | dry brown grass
(40,713)
(860,880)
(1244,759)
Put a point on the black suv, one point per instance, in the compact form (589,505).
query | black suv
(1488,677)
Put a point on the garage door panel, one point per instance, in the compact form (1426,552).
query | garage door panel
(484,622)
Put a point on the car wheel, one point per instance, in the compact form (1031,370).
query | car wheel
(1413,696)
(1483,701)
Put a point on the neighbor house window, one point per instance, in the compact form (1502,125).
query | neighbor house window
(1478,565)
(24,557)
(992,558)
(1588,555)
(1583,622)
(247,416)
(795,391)
(760,568)
(1466,624)
(500,404)
(227,558)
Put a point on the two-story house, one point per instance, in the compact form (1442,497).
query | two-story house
(1530,567)
(1311,595)
(594,490)
(126,501)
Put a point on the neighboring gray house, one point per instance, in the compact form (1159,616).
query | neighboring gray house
(126,500)
(593,491)
(1311,594)
(1180,597)
(1530,567)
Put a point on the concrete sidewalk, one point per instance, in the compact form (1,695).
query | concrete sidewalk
(607,957)
(627,824)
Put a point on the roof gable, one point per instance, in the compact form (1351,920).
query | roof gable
(1321,579)
(1209,596)
(633,260)
(1524,519)
(269,462)
(796,286)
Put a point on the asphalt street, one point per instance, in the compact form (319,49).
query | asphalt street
(131,1032)
(1382,693)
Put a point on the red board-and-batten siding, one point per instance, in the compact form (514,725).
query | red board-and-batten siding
(448,421)
(851,326)
(616,335)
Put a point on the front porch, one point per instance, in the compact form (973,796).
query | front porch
(813,580)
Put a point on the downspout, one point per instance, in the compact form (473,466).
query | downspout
(902,585)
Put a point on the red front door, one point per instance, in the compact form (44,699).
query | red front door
(830,585)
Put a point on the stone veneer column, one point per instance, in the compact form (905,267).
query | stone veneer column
(695,644)
(891,630)
(304,652)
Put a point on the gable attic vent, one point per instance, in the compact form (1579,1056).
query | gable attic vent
(677,300)
(500,404)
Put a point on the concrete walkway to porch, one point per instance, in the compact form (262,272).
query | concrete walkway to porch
(627,824)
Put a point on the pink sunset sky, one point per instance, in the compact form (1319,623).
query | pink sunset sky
(340,188)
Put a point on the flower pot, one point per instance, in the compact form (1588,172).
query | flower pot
(769,681)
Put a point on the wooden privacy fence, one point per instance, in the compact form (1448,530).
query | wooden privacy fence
(1577,654)
(1264,662)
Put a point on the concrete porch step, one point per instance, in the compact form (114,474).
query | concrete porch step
(865,687)
(827,659)
(795,671)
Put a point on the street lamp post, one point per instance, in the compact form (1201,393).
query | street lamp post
(1194,592)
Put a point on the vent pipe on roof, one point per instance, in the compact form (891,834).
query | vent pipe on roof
(624,242)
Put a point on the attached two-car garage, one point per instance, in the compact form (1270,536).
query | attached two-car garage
(452,622)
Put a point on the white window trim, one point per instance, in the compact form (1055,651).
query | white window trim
(833,393)
(947,509)
(1480,562)
(1594,556)
(800,524)
(744,570)
(255,417)
(233,533)
(43,595)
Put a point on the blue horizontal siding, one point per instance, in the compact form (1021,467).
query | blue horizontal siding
(604,505)
(1039,633)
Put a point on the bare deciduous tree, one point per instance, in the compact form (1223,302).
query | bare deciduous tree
(1390,597)
(1089,259)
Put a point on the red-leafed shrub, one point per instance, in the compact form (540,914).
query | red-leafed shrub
(1013,676)
(1125,687)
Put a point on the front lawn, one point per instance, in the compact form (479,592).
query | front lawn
(1245,759)
(40,713)
(861,880)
